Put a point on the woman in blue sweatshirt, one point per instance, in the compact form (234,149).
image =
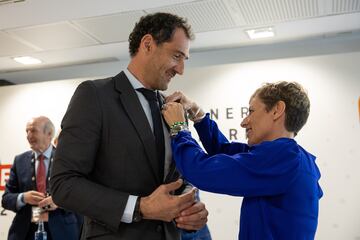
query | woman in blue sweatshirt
(276,176)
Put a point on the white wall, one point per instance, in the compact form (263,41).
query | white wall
(332,132)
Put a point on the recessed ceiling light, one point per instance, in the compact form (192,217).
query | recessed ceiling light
(27,60)
(261,33)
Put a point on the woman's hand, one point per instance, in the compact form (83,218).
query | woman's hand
(179,97)
(195,113)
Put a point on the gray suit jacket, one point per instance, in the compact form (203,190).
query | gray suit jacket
(107,151)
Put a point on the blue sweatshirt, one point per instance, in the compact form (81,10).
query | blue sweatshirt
(278,180)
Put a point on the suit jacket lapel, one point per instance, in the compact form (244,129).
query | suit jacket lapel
(172,174)
(162,102)
(134,110)
(50,169)
(30,164)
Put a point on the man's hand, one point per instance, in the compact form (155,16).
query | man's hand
(173,112)
(193,218)
(161,205)
(47,204)
(33,197)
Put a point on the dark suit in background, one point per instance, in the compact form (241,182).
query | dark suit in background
(62,224)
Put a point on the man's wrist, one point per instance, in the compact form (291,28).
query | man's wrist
(22,198)
(137,216)
(177,127)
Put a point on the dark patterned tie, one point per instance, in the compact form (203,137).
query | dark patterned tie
(152,98)
(41,175)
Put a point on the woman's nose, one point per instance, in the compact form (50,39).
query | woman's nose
(244,122)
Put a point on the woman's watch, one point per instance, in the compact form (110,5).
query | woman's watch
(137,216)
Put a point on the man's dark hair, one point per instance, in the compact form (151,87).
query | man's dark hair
(161,26)
(297,102)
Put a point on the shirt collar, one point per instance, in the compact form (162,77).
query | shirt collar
(46,153)
(132,79)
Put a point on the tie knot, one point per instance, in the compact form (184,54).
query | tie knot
(150,95)
(41,157)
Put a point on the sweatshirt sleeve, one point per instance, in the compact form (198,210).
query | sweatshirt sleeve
(214,141)
(267,169)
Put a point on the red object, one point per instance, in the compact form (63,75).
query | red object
(41,175)
(4,172)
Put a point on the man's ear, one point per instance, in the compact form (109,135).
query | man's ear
(49,134)
(146,42)
(279,109)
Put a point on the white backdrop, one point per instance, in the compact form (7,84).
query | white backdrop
(332,132)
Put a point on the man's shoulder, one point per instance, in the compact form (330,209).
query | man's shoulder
(98,82)
(104,83)
(24,155)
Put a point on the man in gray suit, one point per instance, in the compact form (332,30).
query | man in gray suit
(113,164)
